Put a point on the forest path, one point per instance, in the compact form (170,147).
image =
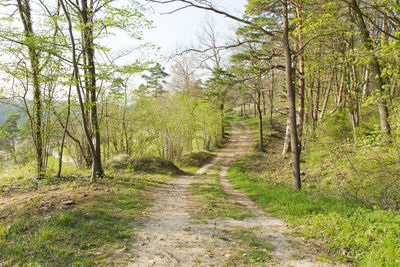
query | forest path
(172,236)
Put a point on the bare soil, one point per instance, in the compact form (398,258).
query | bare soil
(44,201)
(170,236)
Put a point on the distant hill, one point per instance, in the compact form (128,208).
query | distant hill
(6,109)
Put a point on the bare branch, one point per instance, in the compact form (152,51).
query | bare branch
(205,5)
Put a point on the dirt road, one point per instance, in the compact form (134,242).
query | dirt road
(171,236)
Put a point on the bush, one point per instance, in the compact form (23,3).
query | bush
(196,159)
(336,127)
(145,164)
(350,229)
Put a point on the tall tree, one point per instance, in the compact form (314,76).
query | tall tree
(376,69)
(156,80)
(88,21)
(217,91)
(24,9)
(267,18)
(291,98)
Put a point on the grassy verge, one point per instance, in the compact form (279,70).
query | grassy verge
(351,230)
(253,251)
(213,202)
(74,223)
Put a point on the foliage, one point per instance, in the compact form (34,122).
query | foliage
(146,164)
(9,132)
(167,127)
(85,235)
(196,159)
(335,127)
(214,201)
(154,82)
(350,229)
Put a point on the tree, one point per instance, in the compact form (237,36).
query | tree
(92,21)
(266,18)
(358,18)
(250,67)
(24,9)
(291,98)
(155,81)
(8,134)
(217,92)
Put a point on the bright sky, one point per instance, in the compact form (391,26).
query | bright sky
(182,28)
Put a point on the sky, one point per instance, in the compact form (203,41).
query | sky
(174,32)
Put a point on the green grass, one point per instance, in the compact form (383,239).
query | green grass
(21,178)
(196,159)
(86,234)
(253,250)
(351,230)
(213,202)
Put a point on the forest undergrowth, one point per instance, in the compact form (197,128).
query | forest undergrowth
(353,230)
(71,221)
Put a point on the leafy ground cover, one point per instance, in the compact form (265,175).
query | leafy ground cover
(213,202)
(352,231)
(72,222)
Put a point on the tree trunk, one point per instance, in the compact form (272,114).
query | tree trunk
(271,99)
(221,111)
(78,89)
(260,117)
(88,48)
(60,156)
(327,93)
(316,103)
(286,142)
(264,103)
(291,100)
(302,83)
(375,67)
(24,9)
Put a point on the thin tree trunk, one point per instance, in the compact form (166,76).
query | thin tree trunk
(316,103)
(302,83)
(341,88)
(222,119)
(25,14)
(88,48)
(260,116)
(60,159)
(375,67)
(78,89)
(326,99)
(365,86)
(286,142)
(291,97)
(264,103)
(271,99)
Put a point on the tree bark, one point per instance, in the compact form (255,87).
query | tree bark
(88,48)
(60,156)
(325,104)
(78,89)
(374,65)
(25,14)
(222,119)
(271,99)
(260,116)
(291,100)
(302,82)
